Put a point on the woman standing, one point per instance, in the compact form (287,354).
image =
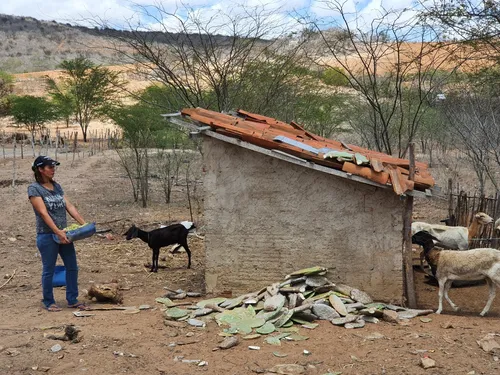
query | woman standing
(50,206)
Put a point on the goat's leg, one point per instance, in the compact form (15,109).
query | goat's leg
(447,287)
(152,269)
(186,247)
(157,255)
(175,249)
(491,297)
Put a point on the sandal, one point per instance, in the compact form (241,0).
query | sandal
(53,308)
(80,306)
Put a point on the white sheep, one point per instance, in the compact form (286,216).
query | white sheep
(449,265)
(496,228)
(457,238)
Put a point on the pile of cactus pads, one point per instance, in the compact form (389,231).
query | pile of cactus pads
(304,297)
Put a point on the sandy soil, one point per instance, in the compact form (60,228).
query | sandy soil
(100,191)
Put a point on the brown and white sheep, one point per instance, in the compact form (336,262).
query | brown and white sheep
(449,265)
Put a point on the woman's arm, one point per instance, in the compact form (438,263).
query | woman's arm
(73,212)
(39,206)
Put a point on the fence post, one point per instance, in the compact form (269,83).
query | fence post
(407,249)
(74,147)
(14,166)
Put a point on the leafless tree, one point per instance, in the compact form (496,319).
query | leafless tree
(476,23)
(474,117)
(203,58)
(396,66)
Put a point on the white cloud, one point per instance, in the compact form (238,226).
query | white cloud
(281,13)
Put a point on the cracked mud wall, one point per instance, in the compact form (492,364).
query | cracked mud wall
(266,218)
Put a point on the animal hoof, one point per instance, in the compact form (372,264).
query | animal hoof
(438,311)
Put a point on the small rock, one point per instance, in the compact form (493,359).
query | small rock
(427,362)
(447,325)
(471,372)
(144,307)
(196,323)
(203,363)
(375,336)
(325,312)
(489,344)
(12,239)
(229,342)
(12,352)
(193,294)
(425,320)
(56,348)
(253,347)
(44,368)
(173,323)
(61,356)
(189,334)
(390,316)
(287,369)
(190,361)
(306,352)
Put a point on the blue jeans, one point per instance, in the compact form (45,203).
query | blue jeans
(49,249)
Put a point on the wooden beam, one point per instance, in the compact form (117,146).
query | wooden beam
(407,251)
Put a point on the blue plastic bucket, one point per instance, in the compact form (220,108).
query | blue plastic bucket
(78,234)
(59,278)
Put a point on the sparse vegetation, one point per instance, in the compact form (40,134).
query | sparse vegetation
(32,112)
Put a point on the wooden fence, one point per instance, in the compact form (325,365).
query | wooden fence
(21,145)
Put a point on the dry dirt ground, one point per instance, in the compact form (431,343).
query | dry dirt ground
(101,192)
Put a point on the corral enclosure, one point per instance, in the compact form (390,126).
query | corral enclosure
(266,217)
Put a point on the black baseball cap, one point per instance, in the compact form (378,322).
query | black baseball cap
(42,161)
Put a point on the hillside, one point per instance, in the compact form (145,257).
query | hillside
(29,45)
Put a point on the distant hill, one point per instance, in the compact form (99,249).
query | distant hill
(29,45)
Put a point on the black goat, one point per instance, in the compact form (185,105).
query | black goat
(158,238)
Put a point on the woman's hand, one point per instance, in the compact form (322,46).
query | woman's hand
(62,237)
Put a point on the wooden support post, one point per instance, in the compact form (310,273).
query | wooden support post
(407,250)
(450,197)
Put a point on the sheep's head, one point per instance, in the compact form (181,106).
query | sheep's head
(483,218)
(424,239)
(189,225)
(131,232)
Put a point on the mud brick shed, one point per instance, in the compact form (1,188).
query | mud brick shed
(278,198)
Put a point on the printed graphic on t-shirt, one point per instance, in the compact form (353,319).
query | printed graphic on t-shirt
(54,202)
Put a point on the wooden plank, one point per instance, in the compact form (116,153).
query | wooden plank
(407,251)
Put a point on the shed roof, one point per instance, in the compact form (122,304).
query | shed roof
(292,139)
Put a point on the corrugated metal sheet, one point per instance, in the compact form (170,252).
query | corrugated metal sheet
(293,139)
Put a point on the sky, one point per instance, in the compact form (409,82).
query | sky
(119,13)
